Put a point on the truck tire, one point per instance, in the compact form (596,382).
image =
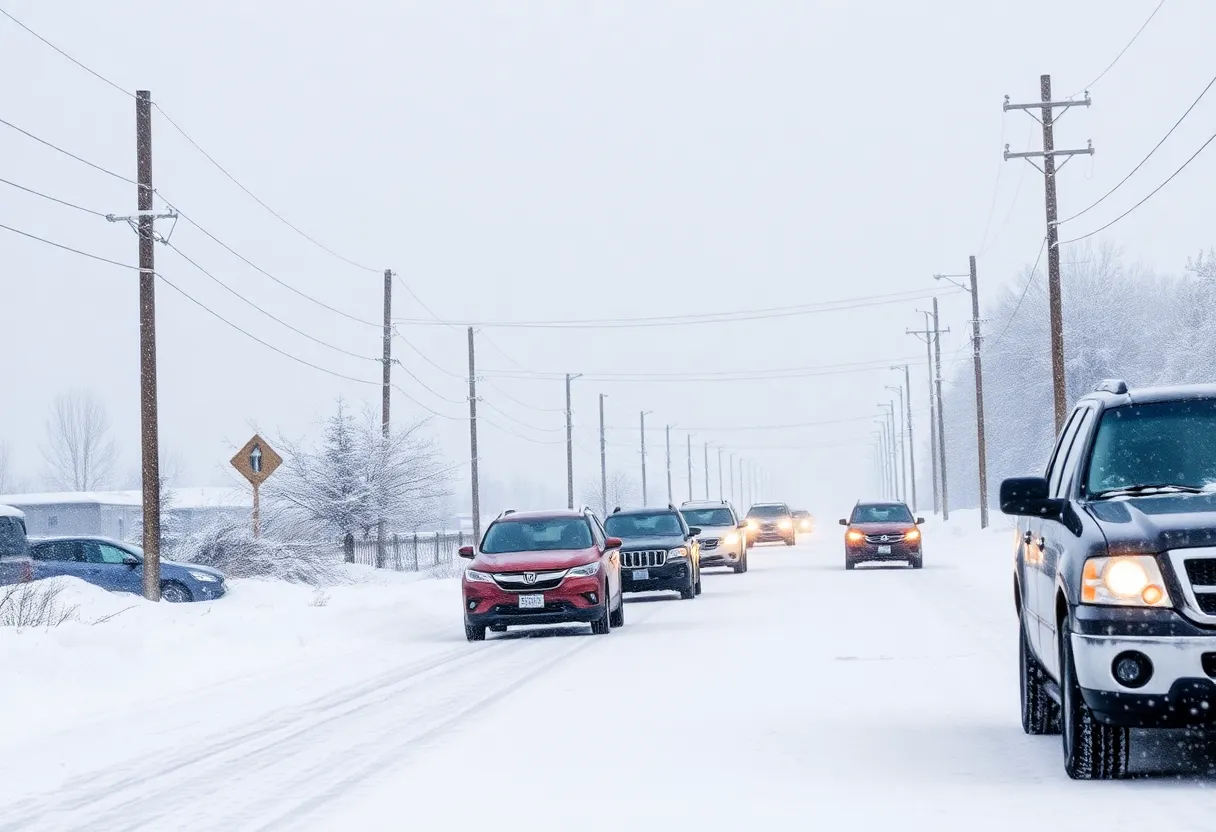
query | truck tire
(1040,713)
(1092,750)
(690,591)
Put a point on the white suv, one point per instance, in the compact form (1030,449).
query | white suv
(723,539)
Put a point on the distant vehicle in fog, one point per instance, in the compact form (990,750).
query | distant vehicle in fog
(882,532)
(768,522)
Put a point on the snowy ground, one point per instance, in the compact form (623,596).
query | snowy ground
(796,695)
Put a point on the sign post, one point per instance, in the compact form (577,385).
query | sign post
(256,462)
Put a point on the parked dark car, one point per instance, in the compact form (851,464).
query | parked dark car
(659,550)
(15,563)
(882,532)
(1115,574)
(118,566)
(543,567)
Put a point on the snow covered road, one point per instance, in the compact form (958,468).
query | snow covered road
(797,694)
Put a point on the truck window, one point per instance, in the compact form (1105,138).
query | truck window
(12,537)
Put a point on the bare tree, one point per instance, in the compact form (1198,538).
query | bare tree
(79,450)
(623,491)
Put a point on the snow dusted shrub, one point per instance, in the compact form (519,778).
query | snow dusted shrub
(34,604)
(238,554)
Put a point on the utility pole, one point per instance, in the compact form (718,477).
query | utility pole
(1048,154)
(889,426)
(689,467)
(603,460)
(721,491)
(886,457)
(930,335)
(570,443)
(149,420)
(903,460)
(976,338)
(670,496)
(731,480)
(473,441)
(941,417)
(742,490)
(911,436)
(385,399)
(645,502)
(706,470)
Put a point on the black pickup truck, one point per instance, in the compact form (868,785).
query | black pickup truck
(1115,574)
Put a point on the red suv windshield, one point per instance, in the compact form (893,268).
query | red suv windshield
(505,537)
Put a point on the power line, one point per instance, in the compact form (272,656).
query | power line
(1146,199)
(397,334)
(1121,51)
(69,248)
(519,421)
(521,403)
(1146,158)
(1025,290)
(496,426)
(69,154)
(425,386)
(283,283)
(430,410)
(715,373)
(95,74)
(704,318)
(255,197)
(270,315)
(827,370)
(694,429)
(996,189)
(51,198)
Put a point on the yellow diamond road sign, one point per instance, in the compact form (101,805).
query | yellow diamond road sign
(257,460)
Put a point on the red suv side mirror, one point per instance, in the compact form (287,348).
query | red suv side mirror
(613,543)
(466,552)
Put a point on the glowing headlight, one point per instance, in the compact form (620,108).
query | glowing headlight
(204,577)
(678,552)
(1126,581)
(785,524)
(473,576)
(912,535)
(731,539)
(854,536)
(752,525)
(585,571)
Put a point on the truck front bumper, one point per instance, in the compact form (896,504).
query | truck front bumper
(1178,692)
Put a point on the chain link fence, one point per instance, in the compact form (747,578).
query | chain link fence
(410,552)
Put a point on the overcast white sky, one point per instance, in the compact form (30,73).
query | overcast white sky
(565,160)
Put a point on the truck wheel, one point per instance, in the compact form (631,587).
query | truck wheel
(473,633)
(1040,714)
(698,579)
(1092,750)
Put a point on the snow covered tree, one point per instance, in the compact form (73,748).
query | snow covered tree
(623,491)
(357,477)
(79,450)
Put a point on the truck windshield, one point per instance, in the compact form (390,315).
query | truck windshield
(882,514)
(706,517)
(768,511)
(643,525)
(12,537)
(1155,444)
(551,534)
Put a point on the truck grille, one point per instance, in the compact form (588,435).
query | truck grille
(643,558)
(528,581)
(1202,572)
(1207,603)
(711,543)
(1196,570)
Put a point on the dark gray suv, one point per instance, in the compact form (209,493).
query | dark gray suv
(1115,574)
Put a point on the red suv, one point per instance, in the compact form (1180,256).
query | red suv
(884,531)
(543,567)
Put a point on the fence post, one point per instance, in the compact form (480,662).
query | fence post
(415,550)
(348,547)
(396,552)
(436,548)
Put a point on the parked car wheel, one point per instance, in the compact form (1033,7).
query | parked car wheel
(1092,750)
(1040,714)
(175,593)
(474,633)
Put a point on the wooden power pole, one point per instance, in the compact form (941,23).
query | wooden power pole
(476,495)
(149,430)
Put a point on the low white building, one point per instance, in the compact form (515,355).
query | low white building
(117,514)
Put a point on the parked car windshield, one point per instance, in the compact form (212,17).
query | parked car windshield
(552,534)
(12,537)
(643,525)
(768,511)
(1159,443)
(882,514)
(703,517)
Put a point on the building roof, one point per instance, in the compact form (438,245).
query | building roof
(183,498)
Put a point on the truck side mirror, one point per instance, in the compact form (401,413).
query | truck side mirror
(1028,497)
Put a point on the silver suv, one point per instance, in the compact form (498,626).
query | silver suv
(723,539)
